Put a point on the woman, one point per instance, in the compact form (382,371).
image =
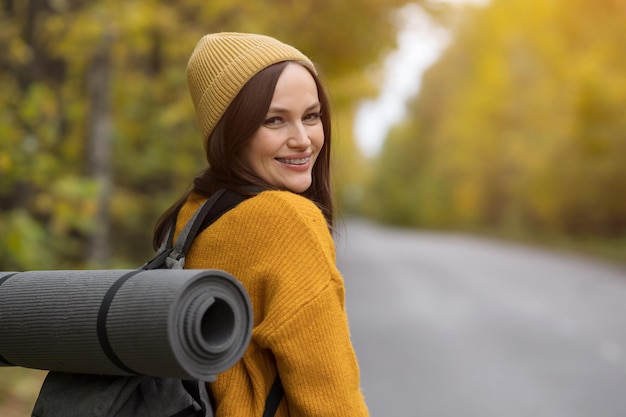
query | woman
(265,124)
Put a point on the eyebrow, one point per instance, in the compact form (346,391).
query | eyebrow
(282,110)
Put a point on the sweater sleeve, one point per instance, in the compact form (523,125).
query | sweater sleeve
(316,362)
(306,326)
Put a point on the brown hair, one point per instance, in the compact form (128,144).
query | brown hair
(234,130)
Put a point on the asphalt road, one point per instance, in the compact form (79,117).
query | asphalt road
(447,325)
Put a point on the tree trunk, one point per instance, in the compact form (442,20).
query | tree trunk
(99,149)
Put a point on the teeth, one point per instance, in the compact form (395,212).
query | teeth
(300,161)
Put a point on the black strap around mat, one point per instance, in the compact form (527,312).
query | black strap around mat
(2,281)
(6,361)
(101,323)
(6,277)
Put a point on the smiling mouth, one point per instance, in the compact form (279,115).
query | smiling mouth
(299,161)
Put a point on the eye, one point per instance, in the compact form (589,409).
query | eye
(273,121)
(313,117)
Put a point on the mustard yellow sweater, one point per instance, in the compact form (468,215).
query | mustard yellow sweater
(279,246)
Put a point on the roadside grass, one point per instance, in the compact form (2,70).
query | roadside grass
(612,250)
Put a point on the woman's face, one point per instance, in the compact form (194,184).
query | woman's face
(284,148)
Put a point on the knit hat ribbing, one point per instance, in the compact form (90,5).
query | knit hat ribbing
(222,63)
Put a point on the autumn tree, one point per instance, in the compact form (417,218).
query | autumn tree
(518,126)
(97,132)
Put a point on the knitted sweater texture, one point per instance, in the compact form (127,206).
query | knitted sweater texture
(277,244)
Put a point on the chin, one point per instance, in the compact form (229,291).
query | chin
(298,188)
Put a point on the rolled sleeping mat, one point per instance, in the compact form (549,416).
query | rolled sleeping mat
(171,323)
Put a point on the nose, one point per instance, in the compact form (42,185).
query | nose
(298,136)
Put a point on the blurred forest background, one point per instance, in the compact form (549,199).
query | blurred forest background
(518,130)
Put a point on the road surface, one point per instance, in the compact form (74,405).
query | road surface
(446,325)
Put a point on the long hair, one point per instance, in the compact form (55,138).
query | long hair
(227,168)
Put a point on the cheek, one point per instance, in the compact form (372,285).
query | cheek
(259,151)
(317,137)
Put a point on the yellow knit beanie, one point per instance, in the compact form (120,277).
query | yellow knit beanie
(222,63)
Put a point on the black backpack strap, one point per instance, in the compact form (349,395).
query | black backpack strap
(192,227)
(193,389)
(273,398)
(171,254)
(228,200)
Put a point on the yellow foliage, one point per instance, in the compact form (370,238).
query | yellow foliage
(53,49)
(522,121)
(5,163)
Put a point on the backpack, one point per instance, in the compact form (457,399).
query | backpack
(84,395)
